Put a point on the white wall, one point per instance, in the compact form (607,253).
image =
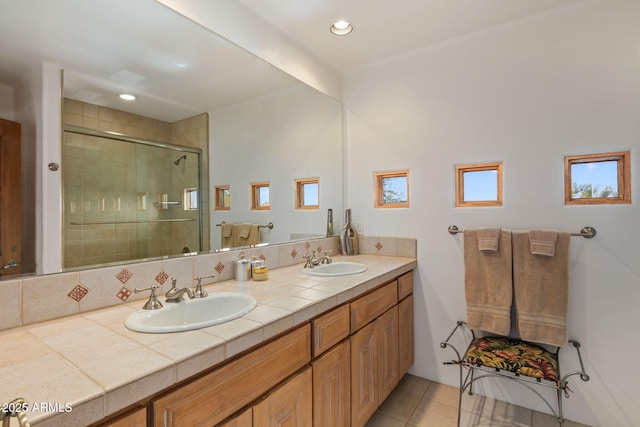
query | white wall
(527,94)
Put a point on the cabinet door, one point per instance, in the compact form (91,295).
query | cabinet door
(332,387)
(245,419)
(405,334)
(364,374)
(212,398)
(135,418)
(289,405)
(388,352)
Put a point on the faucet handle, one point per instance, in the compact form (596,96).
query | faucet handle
(199,292)
(152,303)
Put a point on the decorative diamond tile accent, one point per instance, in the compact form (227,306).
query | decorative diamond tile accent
(78,292)
(162,277)
(379,246)
(219,267)
(294,253)
(124,293)
(307,245)
(319,250)
(124,275)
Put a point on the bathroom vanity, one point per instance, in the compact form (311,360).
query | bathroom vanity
(315,350)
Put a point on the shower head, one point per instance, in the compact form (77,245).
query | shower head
(177,162)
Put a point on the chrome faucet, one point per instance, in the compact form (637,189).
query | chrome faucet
(177,295)
(312,261)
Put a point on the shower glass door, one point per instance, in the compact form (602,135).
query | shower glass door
(126,199)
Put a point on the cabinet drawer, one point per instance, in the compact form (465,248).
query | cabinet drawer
(214,397)
(405,285)
(370,306)
(329,329)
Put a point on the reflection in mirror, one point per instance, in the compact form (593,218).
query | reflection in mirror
(262,124)
(127,199)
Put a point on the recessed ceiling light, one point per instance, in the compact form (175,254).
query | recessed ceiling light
(341,28)
(127,97)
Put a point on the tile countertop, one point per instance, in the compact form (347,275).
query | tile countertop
(79,369)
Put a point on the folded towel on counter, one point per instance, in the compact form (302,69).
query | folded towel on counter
(541,288)
(488,239)
(488,284)
(543,242)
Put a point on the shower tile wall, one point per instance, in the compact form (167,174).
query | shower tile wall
(93,182)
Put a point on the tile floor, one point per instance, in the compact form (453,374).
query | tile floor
(423,403)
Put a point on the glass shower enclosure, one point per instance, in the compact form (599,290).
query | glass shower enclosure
(127,199)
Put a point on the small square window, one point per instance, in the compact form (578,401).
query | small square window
(190,199)
(597,179)
(222,197)
(479,185)
(392,189)
(260,196)
(308,193)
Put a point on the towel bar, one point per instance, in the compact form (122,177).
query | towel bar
(587,232)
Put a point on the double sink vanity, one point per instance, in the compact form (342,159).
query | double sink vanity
(305,347)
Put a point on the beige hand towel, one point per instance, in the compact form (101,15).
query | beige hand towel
(488,239)
(541,289)
(543,242)
(249,235)
(488,284)
(245,229)
(226,231)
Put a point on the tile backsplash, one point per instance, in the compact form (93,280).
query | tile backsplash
(36,299)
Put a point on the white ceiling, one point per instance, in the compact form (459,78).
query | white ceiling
(178,69)
(384,28)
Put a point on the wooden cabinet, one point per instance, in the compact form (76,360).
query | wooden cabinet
(134,418)
(329,329)
(332,387)
(288,405)
(244,419)
(387,353)
(405,334)
(364,374)
(370,306)
(214,397)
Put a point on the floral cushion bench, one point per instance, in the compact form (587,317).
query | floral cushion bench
(521,361)
(519,357)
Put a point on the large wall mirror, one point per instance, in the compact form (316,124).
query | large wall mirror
(138,177)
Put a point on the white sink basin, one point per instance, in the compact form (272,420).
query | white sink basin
(340,268)
(192,314)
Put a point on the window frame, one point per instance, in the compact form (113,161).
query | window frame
(255,196)
(299,193)
(623,159)
(478,167)
(218,192)
(378,179)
